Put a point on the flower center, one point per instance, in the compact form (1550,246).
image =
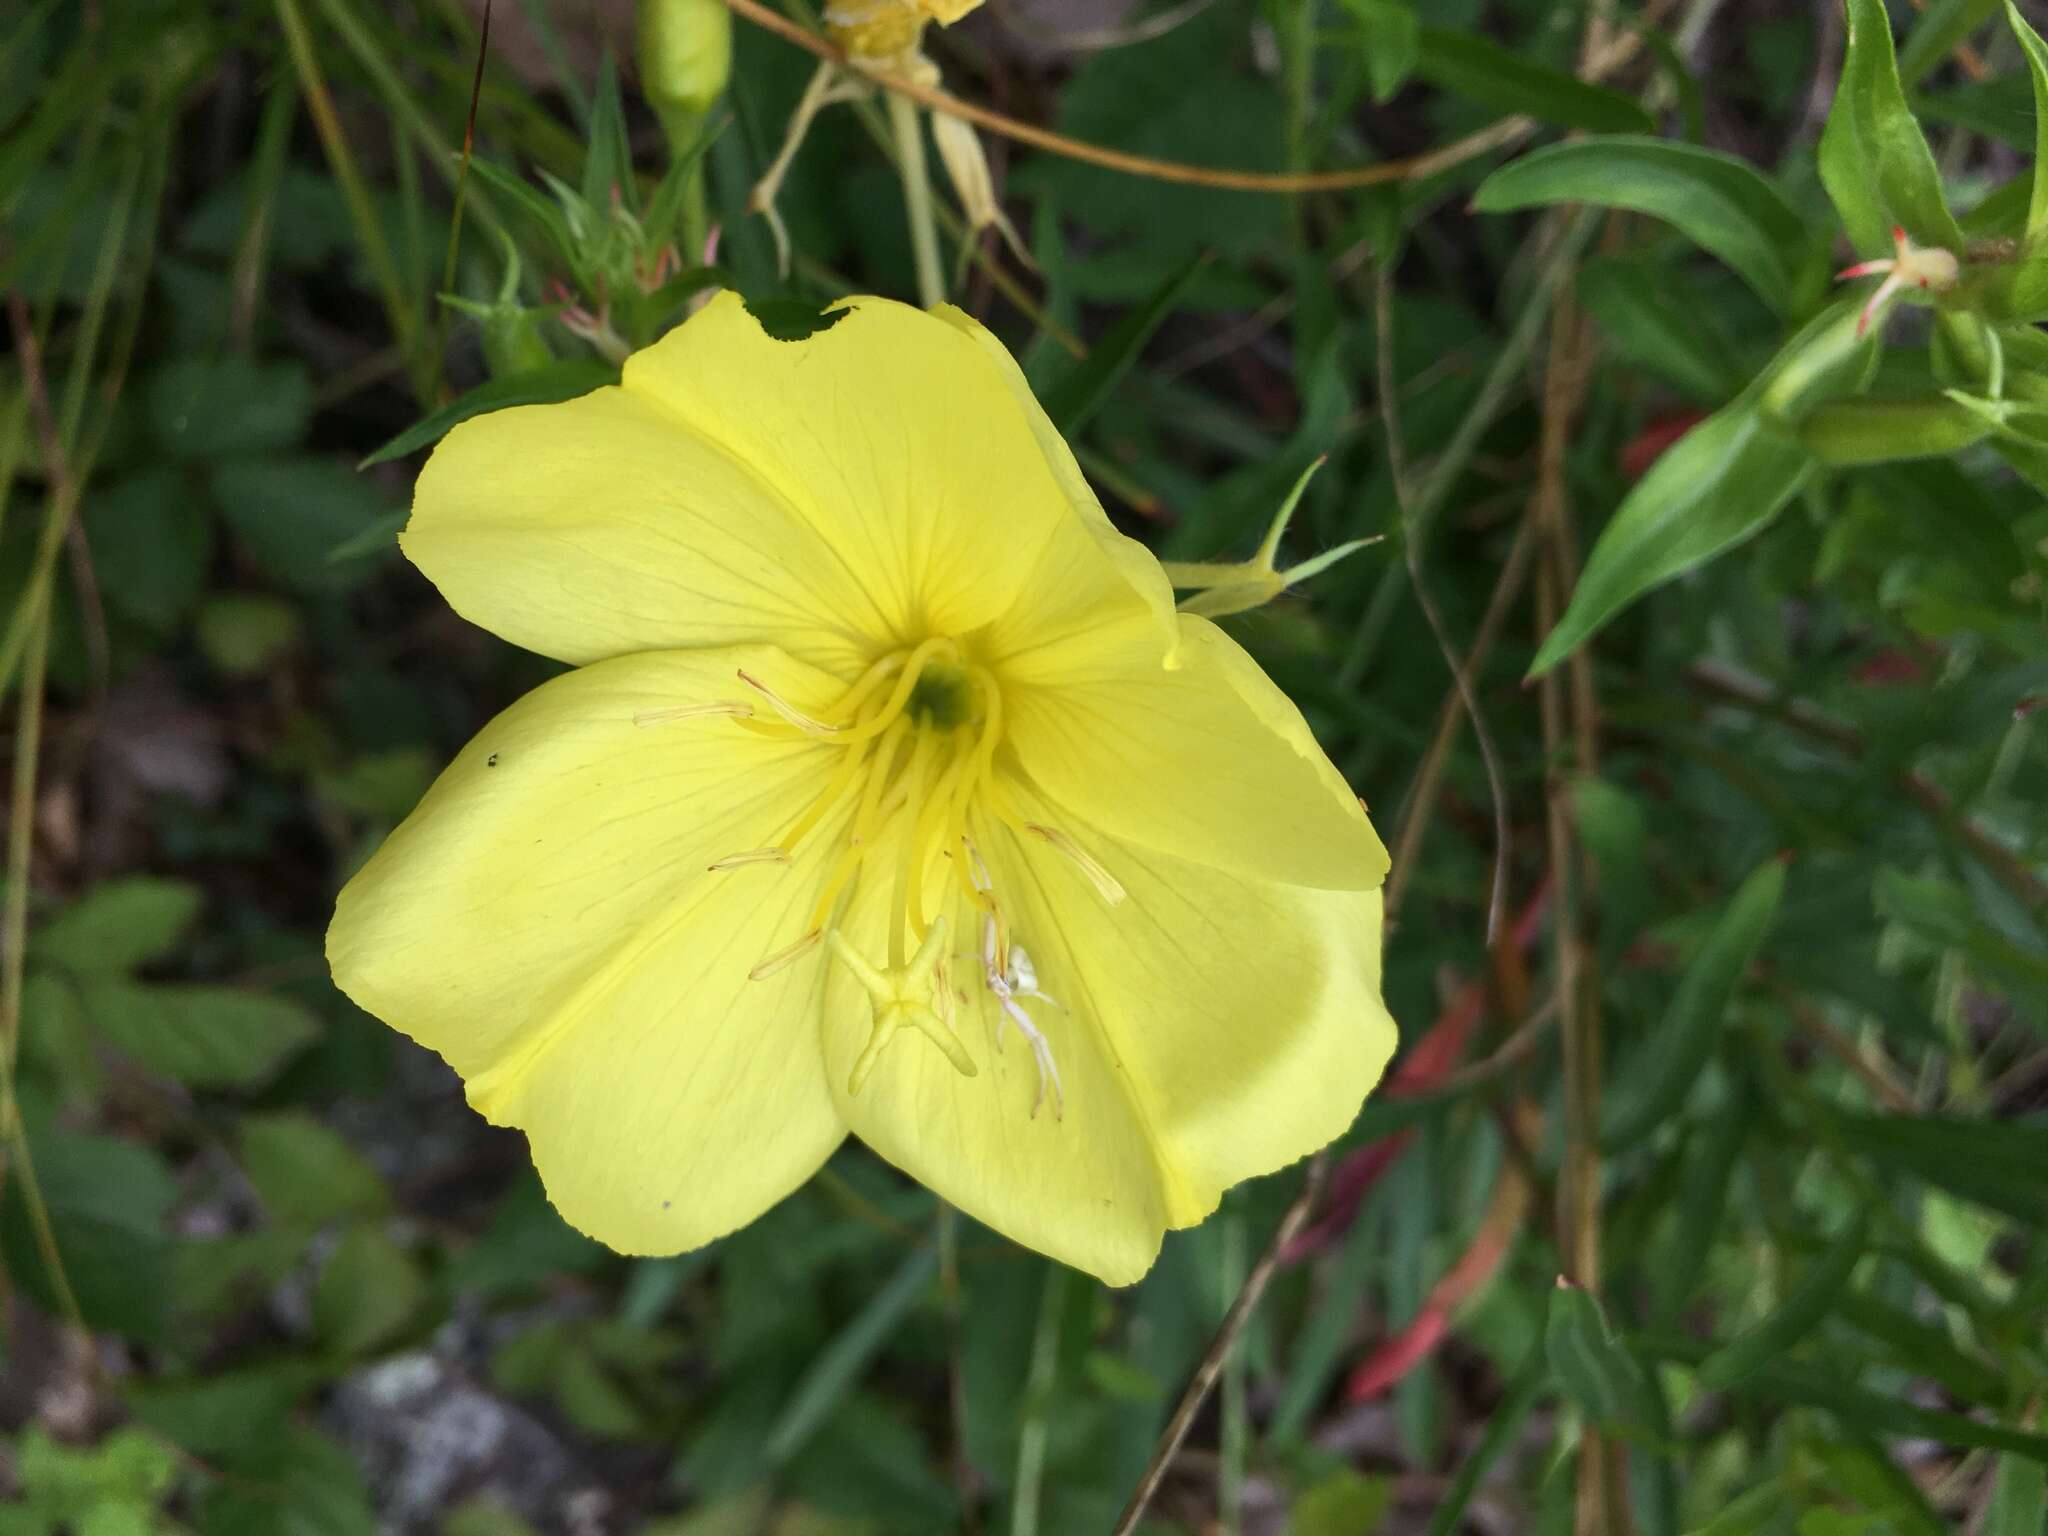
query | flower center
(917,733)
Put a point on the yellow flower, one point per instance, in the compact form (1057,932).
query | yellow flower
(881,746)
(872,30)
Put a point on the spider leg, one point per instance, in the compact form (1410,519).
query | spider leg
(1041,1051)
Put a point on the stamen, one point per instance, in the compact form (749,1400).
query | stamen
(809,724)
(751,856)
(1105,883)
(787,956)
(908,872)
(694,712)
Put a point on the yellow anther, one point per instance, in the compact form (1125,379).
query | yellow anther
(1105,883)
(694,712)
(809,724)
(751,856)
(787,956)
(912,994)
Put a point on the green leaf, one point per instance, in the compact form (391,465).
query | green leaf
(2001,1165)
(368,1291)
(205,408)
(309,1486)
(1944,914)
(1874,160)
(151,542)
(243,633)
(1724,480)
(1800,1313)
(306,1174)
(1938,31)
(292,512)
(1716,201)
(1077,394)
(1924,1349)
(1345,1503)
(232,1413)
(118,925)
(200,1036)
(1470,66)
(521,195)
(838,1366)
(107,1201)
(2037,71)
(1595,1370)
(2019,1499)
(1711,1155)
(608,163)
(1684,1041)
(1819,1386)
(1390,39)
(1655,322)
(543,386)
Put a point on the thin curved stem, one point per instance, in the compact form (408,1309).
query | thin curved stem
(1412,169)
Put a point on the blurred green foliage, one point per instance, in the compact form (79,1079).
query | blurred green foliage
(1760,1057)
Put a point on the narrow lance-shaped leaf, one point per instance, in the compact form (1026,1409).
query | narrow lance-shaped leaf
(1685,1039)
(1811,1301)
(1654,323)
(1489,73)
(543,386)
(1716,201)
(1717,485)
(1874,160)
(1594,1368)
(1075,395)
(2037,71)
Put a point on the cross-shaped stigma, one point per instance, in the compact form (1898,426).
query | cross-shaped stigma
(917,994)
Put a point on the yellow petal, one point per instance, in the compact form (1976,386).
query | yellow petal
(1245,1015)
(910,444)
(1058,604)
(604,525)
(546,921)
(1208,760)
(1083,1184)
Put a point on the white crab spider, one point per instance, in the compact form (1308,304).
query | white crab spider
(1011,984)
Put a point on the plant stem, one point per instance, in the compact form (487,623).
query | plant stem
(1031,1439)
(917,199)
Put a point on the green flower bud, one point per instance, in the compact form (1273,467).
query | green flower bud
(685,61)
(1845,432)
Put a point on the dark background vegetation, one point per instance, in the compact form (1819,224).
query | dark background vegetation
(1757,1054)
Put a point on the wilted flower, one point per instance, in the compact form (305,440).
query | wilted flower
(881,744)
(884,31)
(883,36)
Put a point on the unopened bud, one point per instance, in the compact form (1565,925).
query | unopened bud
(967,168)
(685,53)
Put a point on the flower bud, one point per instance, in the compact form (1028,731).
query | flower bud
(967,168)
(685,53)
(1844,432)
